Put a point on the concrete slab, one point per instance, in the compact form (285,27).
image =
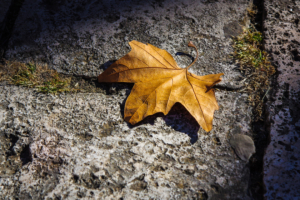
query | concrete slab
(79,36)
(75,146)
(282,40)
(78,146)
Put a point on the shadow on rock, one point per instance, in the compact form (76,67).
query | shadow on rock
(185,54)
(178,118)
(109,88)
(181,120)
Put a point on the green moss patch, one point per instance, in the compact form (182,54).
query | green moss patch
(35,76)
(255,66)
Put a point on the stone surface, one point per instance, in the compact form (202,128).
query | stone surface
(4,6)
(281,161)
(80,36)
(75,146)
(243,146)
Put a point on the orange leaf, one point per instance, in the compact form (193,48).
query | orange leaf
(160,83)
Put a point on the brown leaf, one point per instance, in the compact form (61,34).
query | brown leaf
(160,83)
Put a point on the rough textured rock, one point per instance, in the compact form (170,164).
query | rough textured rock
(78,145)
(243,146)
(74,146)
(281,161)
(80,36)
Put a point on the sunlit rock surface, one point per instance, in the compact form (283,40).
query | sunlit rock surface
(73,146)
(281,161)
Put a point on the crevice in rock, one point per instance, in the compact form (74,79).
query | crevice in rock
(260,128)
(7,27)
(13,140)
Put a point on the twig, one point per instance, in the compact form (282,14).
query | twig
(266,93)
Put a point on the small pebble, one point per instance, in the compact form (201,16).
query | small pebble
(243,146)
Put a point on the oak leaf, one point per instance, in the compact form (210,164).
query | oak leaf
(160,83)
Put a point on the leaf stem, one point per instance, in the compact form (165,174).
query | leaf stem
(190,44)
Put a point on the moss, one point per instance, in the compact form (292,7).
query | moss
(255,66)
(35,76)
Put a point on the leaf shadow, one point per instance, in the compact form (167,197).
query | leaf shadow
(107,64)
(181,120)
(178,118)
(185,54)
(111,88)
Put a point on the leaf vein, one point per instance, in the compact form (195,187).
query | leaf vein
(198,101)
(150,54)
(142,68)
(169,96)
(165,59)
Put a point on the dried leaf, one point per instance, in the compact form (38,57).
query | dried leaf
(160,83)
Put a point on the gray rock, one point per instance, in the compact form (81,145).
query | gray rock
(81,39)
(243,146)
(281,161)
(74,146)
(79,146)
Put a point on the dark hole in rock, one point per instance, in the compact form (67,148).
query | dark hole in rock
(57,197)
(282,50)
(202,195)
(160,168)
(293,158)
(189,172)
(286,34)
(25,155)
(296,42)
(296,55)
(277,15)
(75,178)
(286,146)
(85,136)
(13,140)
(215,188)
(279,107)
(286,94)
(80,194)
(218,142)
(141,177)
(291,64)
